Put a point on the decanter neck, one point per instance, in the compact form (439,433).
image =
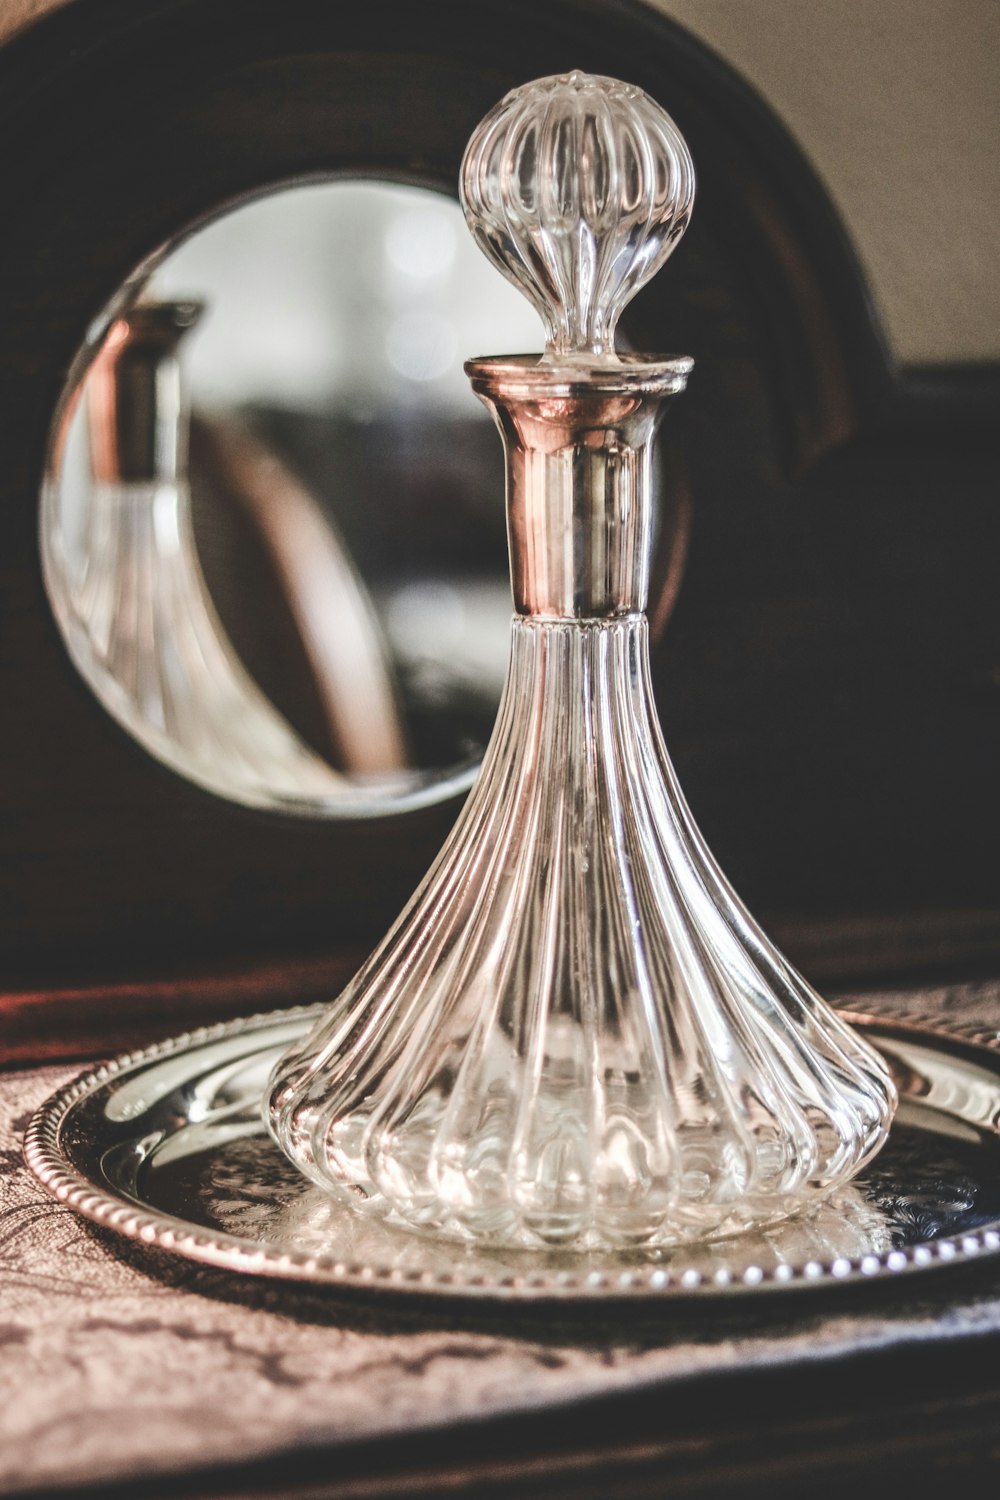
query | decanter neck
(578,437)
(137,408)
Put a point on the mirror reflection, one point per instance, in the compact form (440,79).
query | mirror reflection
(273,525)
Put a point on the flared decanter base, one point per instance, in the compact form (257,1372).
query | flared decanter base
(575,1035)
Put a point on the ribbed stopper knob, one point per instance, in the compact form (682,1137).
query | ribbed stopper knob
(577,188)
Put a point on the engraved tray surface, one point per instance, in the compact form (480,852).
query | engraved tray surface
(167,1147)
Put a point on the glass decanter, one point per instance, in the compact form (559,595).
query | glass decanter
(575,1035)
(136,612)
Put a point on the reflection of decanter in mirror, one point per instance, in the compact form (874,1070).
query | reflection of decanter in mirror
(135,610)
(575,1035)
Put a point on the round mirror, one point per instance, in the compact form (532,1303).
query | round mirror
(273,524)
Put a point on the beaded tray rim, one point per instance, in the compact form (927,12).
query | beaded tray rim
(92,1197)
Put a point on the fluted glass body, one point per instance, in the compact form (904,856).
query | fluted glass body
(575,1035)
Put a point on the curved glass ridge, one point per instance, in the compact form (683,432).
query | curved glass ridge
(576,1035)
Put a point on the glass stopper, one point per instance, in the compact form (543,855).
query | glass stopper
(576,1035)
(577,188)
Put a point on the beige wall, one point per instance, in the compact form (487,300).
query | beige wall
(16,14)
(895,102)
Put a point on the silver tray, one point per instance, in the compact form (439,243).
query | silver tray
(166,1147)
